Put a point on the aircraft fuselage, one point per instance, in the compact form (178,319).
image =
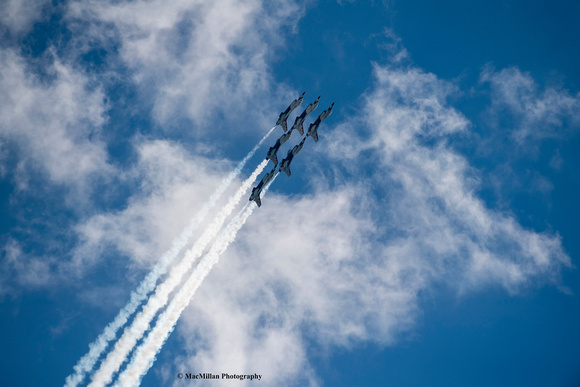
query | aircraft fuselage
(285,164)
(255,196)
(284,115)
(313,128)
(299,121)
(273,151)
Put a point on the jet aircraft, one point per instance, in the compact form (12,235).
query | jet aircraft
(255,196)
(274,149)
(285,164)
(300,119)
(284,115)
(313,128)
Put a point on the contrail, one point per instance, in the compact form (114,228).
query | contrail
(145,354)
(141,323)
(96,349)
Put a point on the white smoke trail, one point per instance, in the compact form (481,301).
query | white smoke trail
(96,349)
(141,323)
(145,354)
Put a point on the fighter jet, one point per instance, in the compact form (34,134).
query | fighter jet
(255,196)
(274,149)
(313,128)
(285,164)
(300,119)
(284,115)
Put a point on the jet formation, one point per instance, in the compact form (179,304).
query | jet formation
(299,126)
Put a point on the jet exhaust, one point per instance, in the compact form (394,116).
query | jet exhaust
(159,299)
(144,356)
(96,349)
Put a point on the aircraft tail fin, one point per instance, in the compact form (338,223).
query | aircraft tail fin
(314,135)
(284,168)
(284,125)
(275,160)
(258,200)
(300,129)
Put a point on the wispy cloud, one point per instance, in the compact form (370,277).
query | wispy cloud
(55,121)
(18,16)
(19,269)
(194,59)
(50,129)
(530,112)
(435,190)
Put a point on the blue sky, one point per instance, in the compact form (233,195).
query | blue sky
(428,238)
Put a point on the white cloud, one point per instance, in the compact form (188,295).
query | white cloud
(18,269)
(50,126)
(289,270)
(3,157)
(195,59)
(437,196)
(537,114)
(18,16)
(54,121)
(173,185)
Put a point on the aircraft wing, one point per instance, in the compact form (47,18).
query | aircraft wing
(314,134)
(285,137)
(298,147)
(313,128)
(300,128)
(296,102)
(255,196)
(284,115)
(285,167)
(312,106)
(285,164)
(272,157)
(269,176)
(326,113)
